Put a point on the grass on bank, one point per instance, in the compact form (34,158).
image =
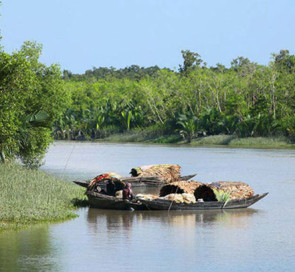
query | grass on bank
(148,135)
(214,140)
(252,142)
(137,137)
(33,196)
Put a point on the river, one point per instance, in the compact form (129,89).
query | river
(254,239)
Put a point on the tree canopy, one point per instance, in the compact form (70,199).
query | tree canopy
(246,99)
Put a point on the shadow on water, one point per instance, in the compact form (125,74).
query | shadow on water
(80,203)
(108,220)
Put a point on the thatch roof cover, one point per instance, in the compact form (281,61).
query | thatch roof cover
(105,177)
(180,187)
(169,172)
(237,190)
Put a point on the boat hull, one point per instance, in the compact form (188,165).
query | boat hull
(162,204)
(101,201)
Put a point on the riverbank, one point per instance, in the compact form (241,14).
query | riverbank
(33,196)
(214,140)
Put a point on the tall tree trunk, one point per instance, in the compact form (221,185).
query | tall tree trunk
(2,157)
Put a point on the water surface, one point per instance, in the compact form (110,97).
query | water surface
(257,239)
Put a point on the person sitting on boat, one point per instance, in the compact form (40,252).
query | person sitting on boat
(111,188)
(127,192)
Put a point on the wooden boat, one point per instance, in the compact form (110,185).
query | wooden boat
(136,181)
(162,204)
(102,201)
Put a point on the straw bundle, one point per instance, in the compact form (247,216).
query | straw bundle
(119,194)
(180,198)
(180,187)
(188,198)
(146,196)
(168,172)
(174,197)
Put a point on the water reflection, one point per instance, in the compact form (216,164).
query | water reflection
(182,230)
(26,250)
(109,221)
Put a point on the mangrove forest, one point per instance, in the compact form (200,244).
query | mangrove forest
(40,103)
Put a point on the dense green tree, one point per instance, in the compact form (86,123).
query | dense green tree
(32,97)
(133,72)
(285,61)
(191,61)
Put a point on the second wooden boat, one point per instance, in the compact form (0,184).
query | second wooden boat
(163,204)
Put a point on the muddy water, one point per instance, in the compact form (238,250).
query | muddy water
(257,239)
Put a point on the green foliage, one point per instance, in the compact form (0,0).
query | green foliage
(191,61)
(222,196)
(211,120)
(32,97)
(247,100)
(284,61)
(133,72)
(126,118)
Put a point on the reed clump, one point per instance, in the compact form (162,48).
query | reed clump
(33,196)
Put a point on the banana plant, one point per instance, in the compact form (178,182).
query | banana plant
(188,127)
(36,119)
(127,118)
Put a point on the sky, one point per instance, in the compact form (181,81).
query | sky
(80,35)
